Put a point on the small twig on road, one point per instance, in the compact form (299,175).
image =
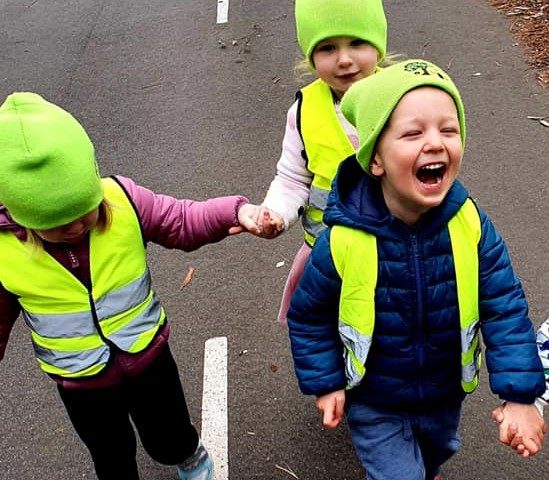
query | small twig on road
(288,471)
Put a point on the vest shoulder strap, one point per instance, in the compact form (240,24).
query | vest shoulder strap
(325,141)
(354,253)
(465,232)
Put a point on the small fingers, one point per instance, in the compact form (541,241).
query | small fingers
(331,418)
(531,447)
(497,415)
(250,226)
(271,224)
(269,231)
(235,230)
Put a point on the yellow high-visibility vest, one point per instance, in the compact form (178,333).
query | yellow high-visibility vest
(71,327)
(326,146)
(355,258)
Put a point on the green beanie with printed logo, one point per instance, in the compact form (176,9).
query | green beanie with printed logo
(48,173)
(317,20)
(369,103)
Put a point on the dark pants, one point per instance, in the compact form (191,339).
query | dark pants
(403,445)
(156,405)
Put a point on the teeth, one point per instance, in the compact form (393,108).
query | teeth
(433,166)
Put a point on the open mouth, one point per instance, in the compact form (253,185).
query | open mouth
(431,174)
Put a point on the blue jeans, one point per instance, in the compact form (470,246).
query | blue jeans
(403,445)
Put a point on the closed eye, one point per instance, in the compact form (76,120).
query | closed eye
(451,130)
(411,133)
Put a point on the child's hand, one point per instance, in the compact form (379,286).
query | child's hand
(331,405)
(521,427)
(272,224)
(497,414)
(512,430)
(248,219)
(259,221)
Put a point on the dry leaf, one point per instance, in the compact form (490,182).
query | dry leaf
(187,279)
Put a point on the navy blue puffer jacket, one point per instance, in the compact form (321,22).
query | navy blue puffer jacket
(414,360)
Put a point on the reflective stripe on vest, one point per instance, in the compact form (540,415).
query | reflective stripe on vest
(71,327)
(355,258)
(326,146)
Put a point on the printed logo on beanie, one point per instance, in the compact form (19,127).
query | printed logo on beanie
(424,68)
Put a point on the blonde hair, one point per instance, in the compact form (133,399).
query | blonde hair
(104,221)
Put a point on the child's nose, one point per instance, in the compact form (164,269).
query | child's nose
(344,57)
(433,141)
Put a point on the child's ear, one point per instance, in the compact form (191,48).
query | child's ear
(376,166)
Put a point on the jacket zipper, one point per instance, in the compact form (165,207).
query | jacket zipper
(96,323)
(73,258)
(75,264)
(419,307)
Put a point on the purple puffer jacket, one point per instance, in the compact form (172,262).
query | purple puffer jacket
(182,224)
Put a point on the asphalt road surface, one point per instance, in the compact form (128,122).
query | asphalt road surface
(194,108)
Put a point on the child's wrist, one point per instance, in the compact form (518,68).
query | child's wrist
(239,204)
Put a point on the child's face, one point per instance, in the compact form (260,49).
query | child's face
(418,155)
(341,61)
(72,232)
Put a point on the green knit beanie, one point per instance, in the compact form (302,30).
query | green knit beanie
(317,20)
(369,103)
(48,173)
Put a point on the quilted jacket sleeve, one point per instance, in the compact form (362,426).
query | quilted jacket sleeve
(313,325)
(542,339)
(515,370)
(180,223)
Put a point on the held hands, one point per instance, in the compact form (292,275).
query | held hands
(259,221)
(331,406)
(272,224)
(521,427)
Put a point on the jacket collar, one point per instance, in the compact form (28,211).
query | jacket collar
(7,224)
(356,200)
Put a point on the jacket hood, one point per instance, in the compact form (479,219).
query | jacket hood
(356,200)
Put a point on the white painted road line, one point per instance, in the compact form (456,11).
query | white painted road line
(215,421)
(222,11)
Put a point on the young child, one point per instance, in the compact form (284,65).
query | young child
(343,41)
(73,262)
(385,322)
